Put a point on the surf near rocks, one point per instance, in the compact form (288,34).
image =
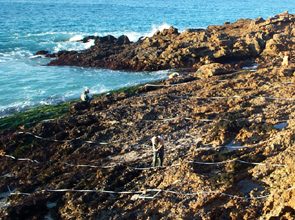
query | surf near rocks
(225,155)
(258,40)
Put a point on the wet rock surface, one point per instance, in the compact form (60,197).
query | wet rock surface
(259,40)
(229,149)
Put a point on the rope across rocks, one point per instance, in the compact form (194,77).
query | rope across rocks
(143,194)
(173,165)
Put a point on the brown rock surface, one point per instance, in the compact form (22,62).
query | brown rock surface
(212,69)
(201,120)
(256,40)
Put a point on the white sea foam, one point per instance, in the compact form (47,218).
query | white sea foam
(4,57)
(76,38)
(60,28)
(134,36)
(62,40)
(73,45)
(18,54)
(156,28)
(89,43)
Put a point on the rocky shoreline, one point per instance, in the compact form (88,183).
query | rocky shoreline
(257,40)
(229,142)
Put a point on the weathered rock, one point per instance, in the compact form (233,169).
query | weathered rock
(212,69)
(286,72)
(240,125)
(231,42)
(201,120)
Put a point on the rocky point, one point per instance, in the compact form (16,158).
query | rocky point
(256,40)
(228,132)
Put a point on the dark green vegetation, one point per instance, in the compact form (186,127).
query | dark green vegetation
(33,116)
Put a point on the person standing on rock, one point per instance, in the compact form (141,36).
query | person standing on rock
(158,148)
(85,97)
(286,59)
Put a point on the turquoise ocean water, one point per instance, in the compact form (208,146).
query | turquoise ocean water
(28,26)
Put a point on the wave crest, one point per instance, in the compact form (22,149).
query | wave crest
(135,36)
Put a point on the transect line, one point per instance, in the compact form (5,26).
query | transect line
(144,195)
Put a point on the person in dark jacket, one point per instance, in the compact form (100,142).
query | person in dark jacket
(158,148)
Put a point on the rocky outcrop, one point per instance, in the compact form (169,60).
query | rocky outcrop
(229,153)
(229,144)
(260,40)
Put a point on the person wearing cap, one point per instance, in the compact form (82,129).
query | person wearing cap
(85,97)
(158,148)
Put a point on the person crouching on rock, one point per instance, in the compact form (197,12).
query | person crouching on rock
(85,97)
(158,148)
(173,75)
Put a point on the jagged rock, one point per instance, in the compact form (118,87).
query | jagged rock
(231,42)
